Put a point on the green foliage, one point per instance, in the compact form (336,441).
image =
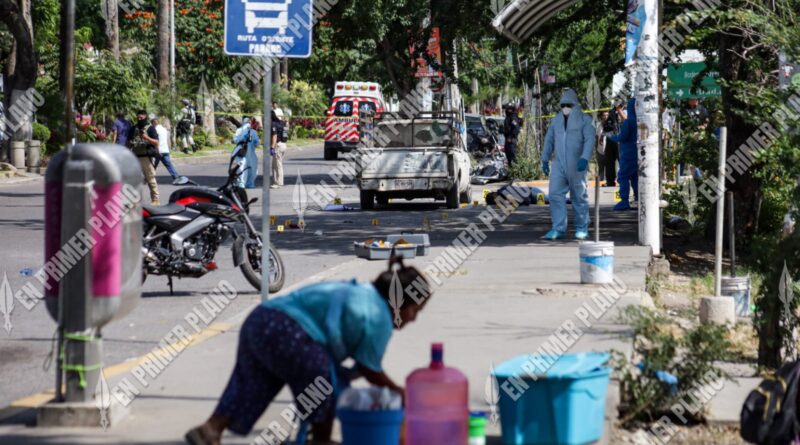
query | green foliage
(525,167)
(201,138)
(105,86)
(305,99)
(661,344)
(42,133)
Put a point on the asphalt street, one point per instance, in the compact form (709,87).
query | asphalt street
(325,243)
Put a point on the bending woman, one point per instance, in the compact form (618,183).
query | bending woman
(298,338)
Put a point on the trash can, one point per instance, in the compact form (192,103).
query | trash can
(32,156)
(370,427)
(18,154)
(565,406)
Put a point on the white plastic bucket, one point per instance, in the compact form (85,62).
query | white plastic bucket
(597,262)
(739,289)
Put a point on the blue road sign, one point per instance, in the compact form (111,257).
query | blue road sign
(270,28)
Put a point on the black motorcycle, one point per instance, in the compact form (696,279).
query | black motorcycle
(182,237)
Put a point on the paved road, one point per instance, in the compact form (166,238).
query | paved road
(25,349)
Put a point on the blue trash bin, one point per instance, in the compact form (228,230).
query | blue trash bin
(566,406)
(370,427)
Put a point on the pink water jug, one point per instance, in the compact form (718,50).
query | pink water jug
(437,404)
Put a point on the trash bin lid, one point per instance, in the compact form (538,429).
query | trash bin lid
(567,366)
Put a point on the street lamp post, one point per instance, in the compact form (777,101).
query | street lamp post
(647,111)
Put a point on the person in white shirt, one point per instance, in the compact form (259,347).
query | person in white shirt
(163,148)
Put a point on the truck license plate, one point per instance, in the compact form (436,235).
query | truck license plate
(403,183)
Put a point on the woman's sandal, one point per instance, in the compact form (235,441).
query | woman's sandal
(195,436)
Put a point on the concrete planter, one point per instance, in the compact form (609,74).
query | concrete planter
(718,310)
(32,156)
(18,154)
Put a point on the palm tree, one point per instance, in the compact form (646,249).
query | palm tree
(163,43)
(110,10)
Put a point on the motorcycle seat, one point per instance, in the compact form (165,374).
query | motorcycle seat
(169,209)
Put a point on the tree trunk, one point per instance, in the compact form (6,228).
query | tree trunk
(285,73)
(110,9)
(21,75)
(163,43)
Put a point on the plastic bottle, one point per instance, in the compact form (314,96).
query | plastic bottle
(437,404)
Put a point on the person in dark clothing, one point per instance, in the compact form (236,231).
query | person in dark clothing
(628,165)
(143,142)
(511,128)
(120,130)
(611,126)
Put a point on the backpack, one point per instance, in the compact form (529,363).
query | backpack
(243,146)
(139,146)
(282,131)
(769,414)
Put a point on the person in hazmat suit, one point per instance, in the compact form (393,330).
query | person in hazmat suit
(570,141)
(247,141)
(628,165)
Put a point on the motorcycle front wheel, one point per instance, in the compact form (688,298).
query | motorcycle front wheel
(251,267)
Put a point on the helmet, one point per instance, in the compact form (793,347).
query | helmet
(510,106)
(186,102)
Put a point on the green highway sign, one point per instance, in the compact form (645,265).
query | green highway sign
(700,92)
(680,79)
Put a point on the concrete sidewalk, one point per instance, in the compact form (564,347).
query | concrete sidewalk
(506,299)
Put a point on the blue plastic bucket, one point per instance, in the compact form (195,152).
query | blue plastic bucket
(597,262)
(565,406)
(370,427)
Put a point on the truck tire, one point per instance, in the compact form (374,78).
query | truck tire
(367,200)
(331,154)
(466,197)
(452,197)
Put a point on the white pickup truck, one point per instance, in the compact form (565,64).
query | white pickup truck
(423,157)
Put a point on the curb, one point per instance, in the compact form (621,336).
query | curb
(28,177)
(216,156)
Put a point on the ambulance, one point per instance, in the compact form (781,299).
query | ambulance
(350,99)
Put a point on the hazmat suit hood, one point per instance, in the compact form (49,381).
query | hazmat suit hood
(570,97)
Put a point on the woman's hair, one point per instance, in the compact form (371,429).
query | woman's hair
(415,287)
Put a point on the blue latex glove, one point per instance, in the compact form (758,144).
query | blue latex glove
(546,168)
(583,164)
(272,151)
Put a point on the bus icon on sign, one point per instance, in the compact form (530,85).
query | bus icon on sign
(269,14)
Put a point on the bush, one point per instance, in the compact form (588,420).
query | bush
(661,344)
(525,168)
(224,133)
(42,133)
(201,138)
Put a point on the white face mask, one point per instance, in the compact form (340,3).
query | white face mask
(566,110)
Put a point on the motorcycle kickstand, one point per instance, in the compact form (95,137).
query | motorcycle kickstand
(169,281)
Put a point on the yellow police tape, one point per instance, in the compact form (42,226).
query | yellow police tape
(546,116)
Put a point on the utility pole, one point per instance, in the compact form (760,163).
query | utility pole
(647,111)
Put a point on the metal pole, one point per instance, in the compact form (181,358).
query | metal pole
(267,165)
(597,202)
(731,234)
(646,87)
(81,345)
(720,195)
